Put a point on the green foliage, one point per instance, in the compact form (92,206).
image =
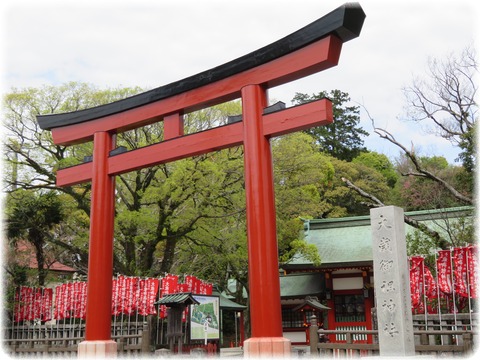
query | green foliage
(343,138)
(32,217)
(437,163)
(30,214)
(346,202)
(301,175)
(468,157)
(291,243)
(379,162)
(419,244)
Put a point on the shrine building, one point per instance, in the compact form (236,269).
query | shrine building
(340,292)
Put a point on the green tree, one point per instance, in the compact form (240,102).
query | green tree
(348,202)
(379,162)
(301,175)
(31,157)
(343,138)
(32,217)
(163,207)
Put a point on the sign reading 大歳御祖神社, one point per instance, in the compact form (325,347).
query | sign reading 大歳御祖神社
(392,285)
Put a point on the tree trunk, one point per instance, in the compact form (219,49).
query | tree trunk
(145,258)
(38,242)
(168,254)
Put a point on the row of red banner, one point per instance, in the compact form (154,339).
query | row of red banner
(130,295)
(457,277)
(33,303)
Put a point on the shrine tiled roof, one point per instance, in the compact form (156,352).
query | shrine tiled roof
(311,302)
(300,285)
(177,299)
(227,304)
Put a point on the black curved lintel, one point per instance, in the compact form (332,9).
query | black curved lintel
(345,22)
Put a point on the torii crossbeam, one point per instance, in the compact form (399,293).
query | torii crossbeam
(311,49)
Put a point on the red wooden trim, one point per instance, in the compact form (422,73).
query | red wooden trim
(178,148)
(315,113)
(75,174)
(302,117)
(332,324)
(172,126)
(311,59)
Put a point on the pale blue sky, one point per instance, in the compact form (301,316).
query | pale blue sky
(152,43)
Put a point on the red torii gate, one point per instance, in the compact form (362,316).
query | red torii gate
(309,50)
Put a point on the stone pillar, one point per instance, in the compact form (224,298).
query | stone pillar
(392,282)
(97,349)
(313,333)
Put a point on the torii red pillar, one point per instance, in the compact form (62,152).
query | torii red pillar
(264,284)
(309,50)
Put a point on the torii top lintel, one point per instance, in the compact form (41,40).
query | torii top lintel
(309,50)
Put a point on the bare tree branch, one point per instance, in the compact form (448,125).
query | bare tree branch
(420,170)
(439,240)
(418,166)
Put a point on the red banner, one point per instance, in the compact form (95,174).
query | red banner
(472,261)
(169,284)
(58,296)
(182,288)
(152,286)
(203,288)
(460,271)
(146,294)
(130,301)
(416,281)
(118,289)
(197,286)
(65,301)
(121,294)
(47,297)
(209,289)
(444,271)
(24,305)
(191,282)
(79,302)
(430,284)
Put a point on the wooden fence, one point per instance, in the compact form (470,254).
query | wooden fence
(62,340)
(446,336)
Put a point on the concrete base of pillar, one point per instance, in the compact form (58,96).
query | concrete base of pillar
(97,349)
(273,347)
